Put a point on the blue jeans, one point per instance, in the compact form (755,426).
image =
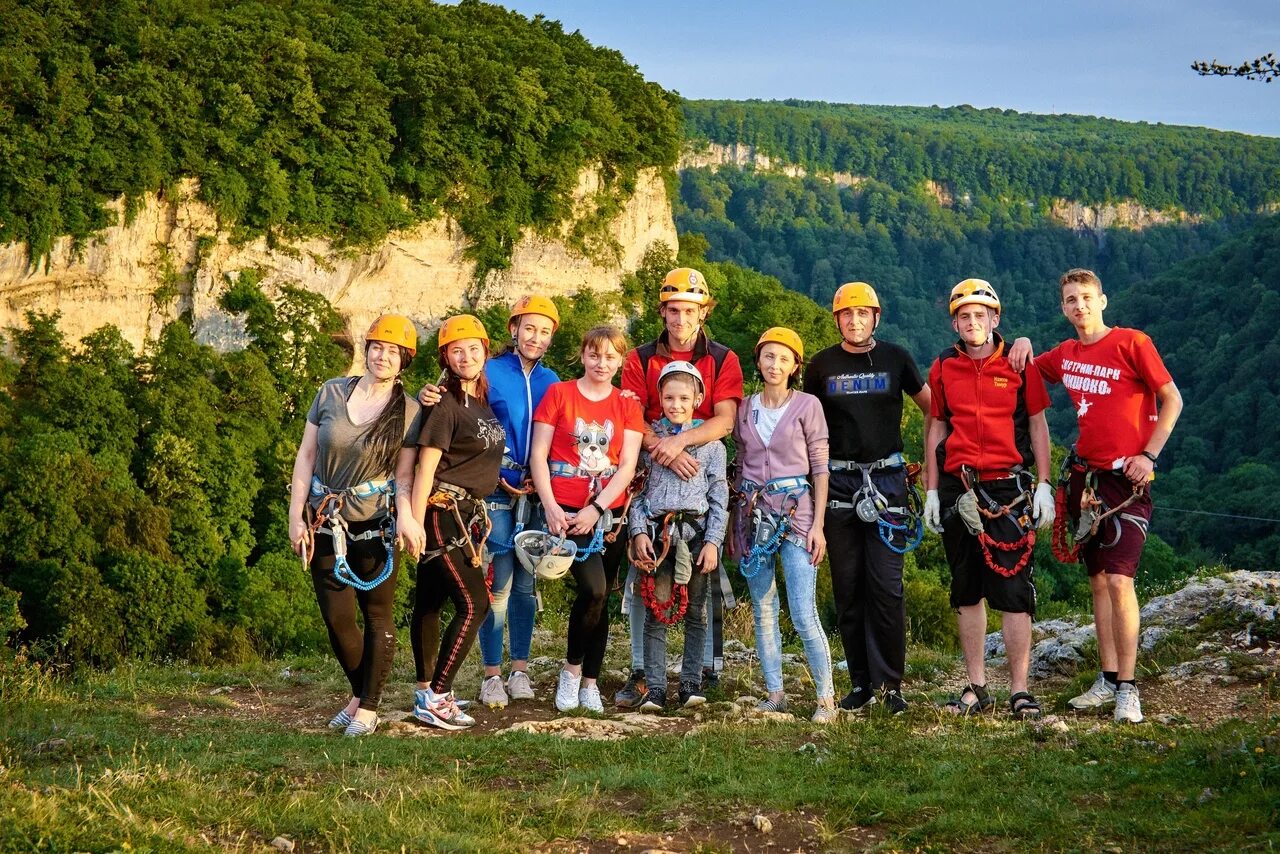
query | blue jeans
(802,581)
(512,591)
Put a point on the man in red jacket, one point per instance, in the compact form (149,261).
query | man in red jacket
(684,301)
(988,426)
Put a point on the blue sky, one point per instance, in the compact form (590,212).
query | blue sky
(1124,60)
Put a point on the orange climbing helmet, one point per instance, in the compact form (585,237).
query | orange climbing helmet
(685,284)
(784,336)
(394,329)
(855,295)
(462,326)
(536,305)
(974,292)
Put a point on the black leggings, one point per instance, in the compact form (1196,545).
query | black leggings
(365,656)
(588,617)
(448,576)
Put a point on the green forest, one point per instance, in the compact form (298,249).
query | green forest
(308,117)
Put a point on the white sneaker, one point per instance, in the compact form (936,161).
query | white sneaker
(1128,705)
(519,686)
(1101,693)
(823,715)
(492,694)
(440,710)
(567,691)
(589,699)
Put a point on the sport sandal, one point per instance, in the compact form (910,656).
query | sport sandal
(1024,706)
(982,701)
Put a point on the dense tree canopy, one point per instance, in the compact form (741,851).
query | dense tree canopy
(310,117)
(1005,155)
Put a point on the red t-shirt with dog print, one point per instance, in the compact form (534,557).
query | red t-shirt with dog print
(587,439)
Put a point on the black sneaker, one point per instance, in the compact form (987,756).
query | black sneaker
(894,702)
(632,693)
(654,701)
(691,695)
(858,699)
(710,679)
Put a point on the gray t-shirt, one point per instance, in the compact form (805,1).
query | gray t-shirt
(341,460)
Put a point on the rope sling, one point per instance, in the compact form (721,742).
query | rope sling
(1093,511)
(871,505)
(768,527)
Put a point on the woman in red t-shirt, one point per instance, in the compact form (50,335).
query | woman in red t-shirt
(586,440)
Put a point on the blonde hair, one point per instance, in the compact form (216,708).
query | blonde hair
(595,337)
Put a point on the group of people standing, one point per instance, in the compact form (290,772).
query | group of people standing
(458,476)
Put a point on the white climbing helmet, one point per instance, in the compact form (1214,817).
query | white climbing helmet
(545,556)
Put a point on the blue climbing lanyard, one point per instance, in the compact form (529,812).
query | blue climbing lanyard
(769,528)
(338,530)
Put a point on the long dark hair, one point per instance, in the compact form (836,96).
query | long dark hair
(453,383)
(384,440)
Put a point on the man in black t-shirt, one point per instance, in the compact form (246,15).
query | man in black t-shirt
(860,382)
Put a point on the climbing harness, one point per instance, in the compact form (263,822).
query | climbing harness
(1094,511)
(473,531)
(671,530)
(768,527)
(989,508)
(871,505)
(635,488)
(520,503)
(327,519)
(606,520)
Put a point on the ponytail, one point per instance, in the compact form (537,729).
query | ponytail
(384,440)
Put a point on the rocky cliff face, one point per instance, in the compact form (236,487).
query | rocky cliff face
(1074,215)
(174,258)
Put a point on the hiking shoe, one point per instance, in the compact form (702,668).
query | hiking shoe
(710,679)
(859,699)
(631,694)
(440,710)
(655,701)
(492,694)
(1128,705)
(357,728)
(567,691)
(519,686)
(589,699)
(341,720)
(894,701)
(767,705)
(1101,693)
(691,695)
(823,715)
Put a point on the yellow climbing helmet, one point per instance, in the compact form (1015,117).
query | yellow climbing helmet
(394,329)
(685,284)
(974,292)
(855,295)
(784,336)
(462,326)
(535,305)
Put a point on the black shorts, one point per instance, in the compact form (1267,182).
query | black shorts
(972,578)
(1117,547)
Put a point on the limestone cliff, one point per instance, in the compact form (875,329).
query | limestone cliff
(173,258)
(1074,215)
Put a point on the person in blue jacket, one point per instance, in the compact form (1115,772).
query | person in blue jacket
(517,381)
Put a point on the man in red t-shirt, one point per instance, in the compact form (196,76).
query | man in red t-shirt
(684,301)
(1115,378)
(988,426)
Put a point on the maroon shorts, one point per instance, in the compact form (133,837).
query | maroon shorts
(1117,547)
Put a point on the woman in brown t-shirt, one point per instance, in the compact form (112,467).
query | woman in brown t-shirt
(458,464)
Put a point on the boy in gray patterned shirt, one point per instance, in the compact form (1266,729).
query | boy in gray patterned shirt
(679,518)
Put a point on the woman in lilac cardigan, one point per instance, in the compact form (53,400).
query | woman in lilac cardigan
(781,496)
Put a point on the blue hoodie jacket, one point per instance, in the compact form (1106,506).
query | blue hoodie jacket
(514,398)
